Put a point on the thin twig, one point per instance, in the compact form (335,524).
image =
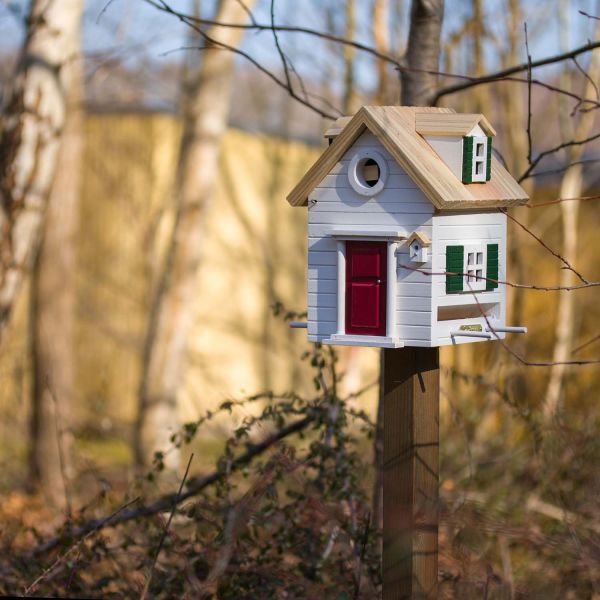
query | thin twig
(529,115)
(554,150)
(166,529)
(586,344)
(540,241)
(560,200)
(84,536)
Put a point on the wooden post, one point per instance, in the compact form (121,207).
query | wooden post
(411,389)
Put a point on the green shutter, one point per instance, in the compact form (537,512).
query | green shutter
(467,164)
(492,267)
(454,264)
(488,168)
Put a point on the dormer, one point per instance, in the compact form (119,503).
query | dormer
(462,141)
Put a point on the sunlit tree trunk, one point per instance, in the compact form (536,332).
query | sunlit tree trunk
(33,119)
(571,187)
(350,96)
(172,312)
(53,304)
(381,37)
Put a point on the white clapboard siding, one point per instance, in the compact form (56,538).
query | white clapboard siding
(393,182)
(400,206)
(349,217)
(368,139)
(322,272)
(323,300)
(320,244)
(370,207)
(316,258)
(413,317)
(412,303)
(485,227)
(393,167)
(347,196)
(321,287)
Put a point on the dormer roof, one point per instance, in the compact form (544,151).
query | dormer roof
(457,124)
(420,236)
(395,128)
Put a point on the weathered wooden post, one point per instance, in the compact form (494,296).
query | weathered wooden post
(406,252)
(411,387)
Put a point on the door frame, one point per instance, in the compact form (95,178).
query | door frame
(379,249)
(390,339)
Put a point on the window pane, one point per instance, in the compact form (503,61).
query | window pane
(471,258)
(479,274)
(478,168)
(479,151)
(480,258)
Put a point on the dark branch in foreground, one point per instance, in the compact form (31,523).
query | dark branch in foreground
(167,502)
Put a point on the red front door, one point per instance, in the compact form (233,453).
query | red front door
(366,268)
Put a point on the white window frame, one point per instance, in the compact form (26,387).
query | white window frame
(475,267)
(480,159)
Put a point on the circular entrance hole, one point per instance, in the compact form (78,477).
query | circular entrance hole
(367,172)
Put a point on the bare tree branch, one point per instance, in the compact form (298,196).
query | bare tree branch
(194,487)
(503,74)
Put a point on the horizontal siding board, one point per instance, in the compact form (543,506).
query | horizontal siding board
(322,299)
(471,218)
(322,328)
(468,233)
(412,221)
(414,332)
(393,168)
(322,258)
(414,290)
(369,207)
(416,303)
(386,196)
(322,286)
(322,271)
(341,181)
(408,276)
(325,244)
(322,314)
(404,317)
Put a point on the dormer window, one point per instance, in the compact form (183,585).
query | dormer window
(477,159)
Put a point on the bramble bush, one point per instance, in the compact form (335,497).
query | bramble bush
(285,517)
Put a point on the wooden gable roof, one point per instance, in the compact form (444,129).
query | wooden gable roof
(394,126)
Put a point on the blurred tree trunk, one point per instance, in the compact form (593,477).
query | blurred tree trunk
(481,92)
(172,311)
(350,97)
(381,36)
(53,300)
(32,124)
(418,87)
(422,52)
(571,187)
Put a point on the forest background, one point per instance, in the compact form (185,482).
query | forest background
(89,388)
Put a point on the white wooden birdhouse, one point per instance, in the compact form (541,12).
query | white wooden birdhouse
(406,242)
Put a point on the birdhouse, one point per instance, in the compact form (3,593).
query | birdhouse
(418,243)
(406,236)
